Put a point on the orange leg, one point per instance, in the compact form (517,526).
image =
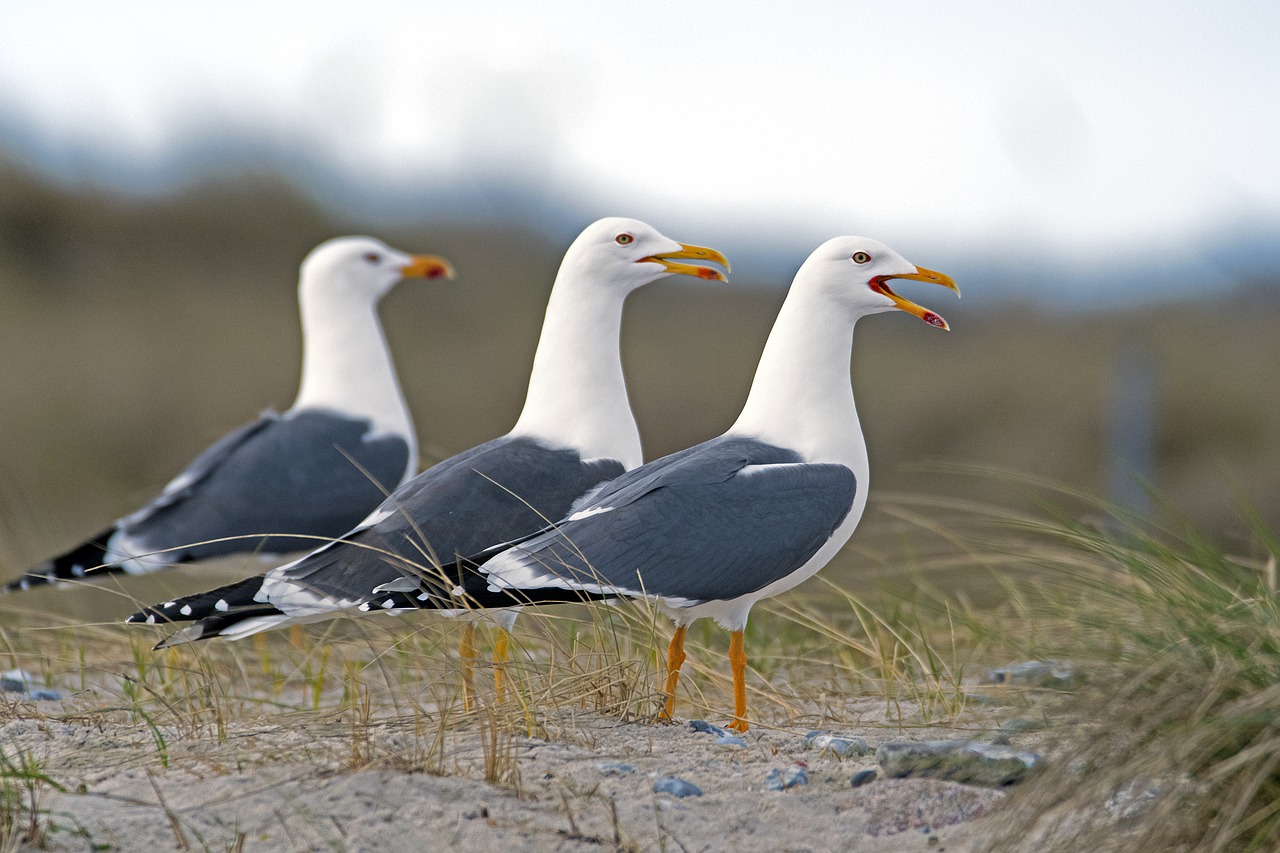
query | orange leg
(675,657)
(467,651)
(501,655)
(738,661)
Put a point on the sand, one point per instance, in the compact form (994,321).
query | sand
(586,784)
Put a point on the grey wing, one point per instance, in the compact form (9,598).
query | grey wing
(182,485)
(505,489)
(312,474)
(697,539)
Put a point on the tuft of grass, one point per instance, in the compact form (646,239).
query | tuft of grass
(23,781)
(1180,644)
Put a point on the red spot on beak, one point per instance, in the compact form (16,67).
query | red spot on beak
(708,273)
(934,320)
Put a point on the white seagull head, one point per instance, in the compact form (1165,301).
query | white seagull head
(628,253)
(364,269)
(855,272)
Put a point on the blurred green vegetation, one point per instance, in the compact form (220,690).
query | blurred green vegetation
(136,330)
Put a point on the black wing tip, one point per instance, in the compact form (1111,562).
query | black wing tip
(212,604)
(84,562)
(149,616)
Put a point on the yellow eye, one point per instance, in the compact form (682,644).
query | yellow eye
(861,257)
(624,239)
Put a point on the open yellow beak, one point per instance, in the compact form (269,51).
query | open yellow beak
(700,253)
(879,285)
(427,266)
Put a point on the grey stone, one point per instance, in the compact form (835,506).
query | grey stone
(703,727)
(614,768)
(841,746)
(778,780)
(956,761)
(730,740)
(862,777)
(1035,673)
(676,788)
(16,680)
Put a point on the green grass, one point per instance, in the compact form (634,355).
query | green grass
(1180,644)
(23,780)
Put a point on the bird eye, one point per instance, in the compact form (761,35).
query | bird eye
(861,257)
(624,239)
(373,258)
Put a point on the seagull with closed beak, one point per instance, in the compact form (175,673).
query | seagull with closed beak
(306,474)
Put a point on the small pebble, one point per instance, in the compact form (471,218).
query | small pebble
(1036,673)
(676,788)
(970,762)
(730,740)
(841,746)
(21,681)
(792,778)
(862,777)
(614,768)
(16,680)
(703,727)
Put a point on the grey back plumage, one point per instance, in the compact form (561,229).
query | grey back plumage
(309,473)
(504,489)
(700,525)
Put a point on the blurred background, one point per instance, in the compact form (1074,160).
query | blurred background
(1101,179)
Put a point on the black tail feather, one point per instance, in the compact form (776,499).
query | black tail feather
(213,626)
(80,563)
(475,594)
(216,602)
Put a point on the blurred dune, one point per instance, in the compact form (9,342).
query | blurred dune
(136,329)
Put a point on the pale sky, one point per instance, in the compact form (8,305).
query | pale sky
(1081,126)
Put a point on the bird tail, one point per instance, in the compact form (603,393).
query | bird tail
(230,611)
(216,602)
(472,592)
(230,626)
(84,561)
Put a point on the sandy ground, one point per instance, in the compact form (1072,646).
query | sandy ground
(323,784)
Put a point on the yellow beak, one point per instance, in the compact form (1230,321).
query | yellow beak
(879,285)
(427,266)
(699,253)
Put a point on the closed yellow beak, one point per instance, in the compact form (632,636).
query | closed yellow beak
(427,266)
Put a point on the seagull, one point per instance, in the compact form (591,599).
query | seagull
(312,471)
(575,433)
(711,530)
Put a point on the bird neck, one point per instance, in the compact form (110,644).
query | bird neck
(346,366)
(802,394)
(577,392)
